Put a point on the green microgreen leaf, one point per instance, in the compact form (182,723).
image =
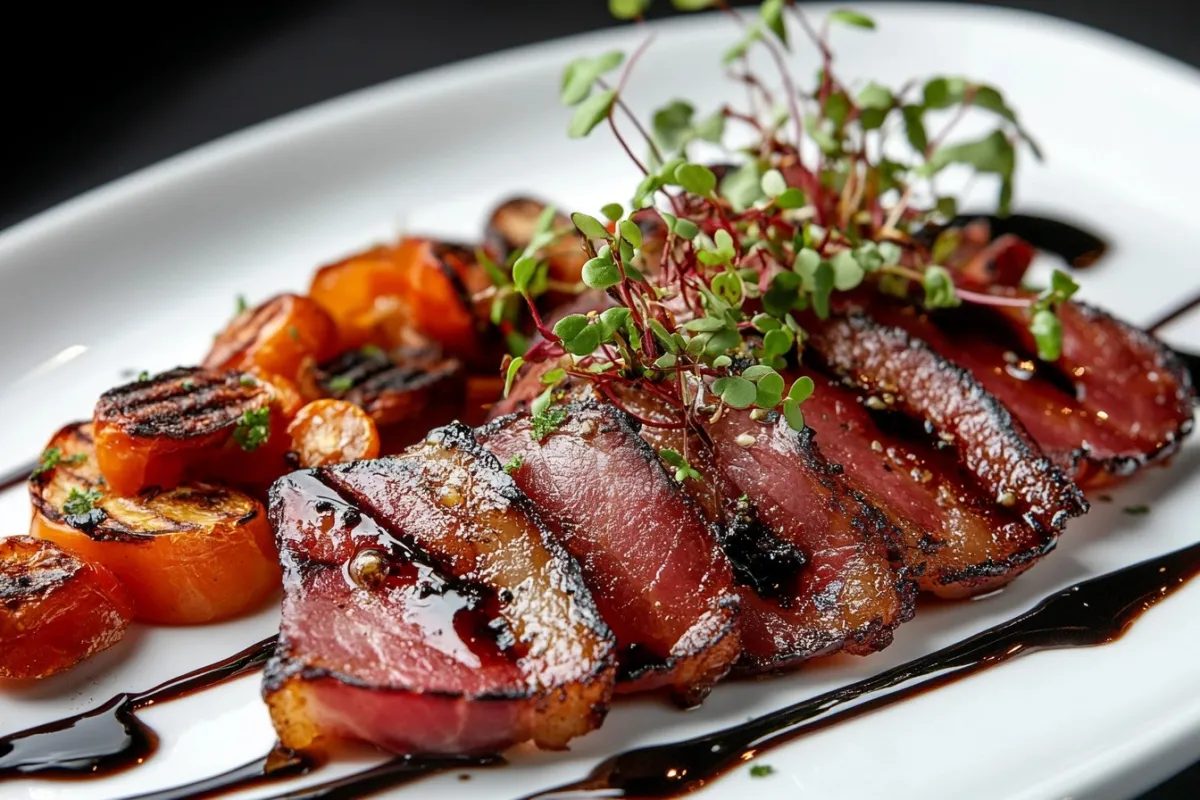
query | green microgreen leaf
(742,187)
(585,342)
(513,367)
(581,74)
(590,113)
(514,463)
(939,288)
(696,178)
(735,392)
(589,226)
(552,377)
(612,320)
(742,46)
(823,279)
(612,212)
(853,18)
(773,183)
(693,5)
(771,12)
(672,125)
(686,229)
(1047,334)
(630,232)
(762,770)
(522,273)
(664,338)
(847,272)
(802,389)
(601,273)
(777,342)
(914,127)
(627,9)
(770,390)
(793,414)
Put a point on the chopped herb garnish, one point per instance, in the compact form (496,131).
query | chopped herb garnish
(80,503)
(1138,510)
(514,463)
(144,375)
(545,423)
(372,351)
(188,385)
(683,470)
(341,383)
(293,332)
(761,770)
(248,380)
(52,457)
(253,429)
(240,304)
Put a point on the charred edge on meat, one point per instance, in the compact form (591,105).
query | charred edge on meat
(761,560)
(1063,488)
(1166,360)
(633,662)
(183,403)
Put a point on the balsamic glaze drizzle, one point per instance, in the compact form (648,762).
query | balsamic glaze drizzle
(110,738)
(279,764)
(1174,314)
(1090,613)
(17,475)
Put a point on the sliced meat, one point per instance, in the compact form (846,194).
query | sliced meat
(847,597)
(653,566)
(1116,400)
(898,370)
(427,609)
(957,540)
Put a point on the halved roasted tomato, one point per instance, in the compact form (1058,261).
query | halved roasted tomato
(275,338)
(193,423)
(55,608)
(419,285)
(196,553)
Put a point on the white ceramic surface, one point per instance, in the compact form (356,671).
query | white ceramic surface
(138,275)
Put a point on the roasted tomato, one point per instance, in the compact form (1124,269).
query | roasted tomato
(405,391)
(196,553)
(55,608)
(418,285)
(275,338)
(195,423)
(327,432)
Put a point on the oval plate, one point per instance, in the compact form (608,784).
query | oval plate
(139,274)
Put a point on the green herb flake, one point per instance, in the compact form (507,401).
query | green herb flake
(341,383)
(1138,510)
(143,376)
(761,770)
(79,503)
(514,463)
(293,332)
(253,429)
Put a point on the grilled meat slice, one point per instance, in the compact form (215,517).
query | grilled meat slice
(428,610)
(654,568)
(189,421)
(1117,399)
(898,370)
(193,554)
(957,540)
(847,597)
(55,608)
(404,391)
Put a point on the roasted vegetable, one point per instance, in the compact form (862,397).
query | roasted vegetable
(56,609)
(195,423)
(419,285)
(328,432)
(427,610)
(275,338)
(405,391)
(196,553)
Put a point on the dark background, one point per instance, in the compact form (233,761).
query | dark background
(97,93)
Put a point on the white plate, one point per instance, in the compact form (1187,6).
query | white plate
(138,275)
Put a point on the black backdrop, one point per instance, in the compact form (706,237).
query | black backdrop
(94,94)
